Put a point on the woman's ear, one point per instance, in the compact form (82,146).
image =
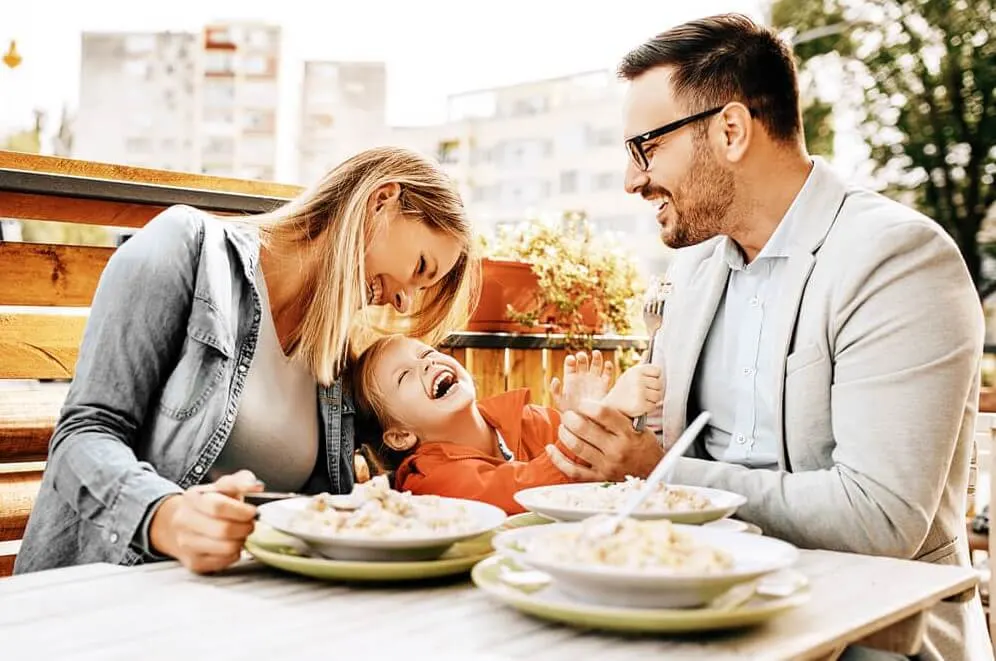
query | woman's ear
(399,440)
(385,195)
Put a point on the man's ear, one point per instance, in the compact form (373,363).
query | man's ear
(399,440)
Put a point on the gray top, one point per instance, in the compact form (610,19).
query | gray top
(275,434)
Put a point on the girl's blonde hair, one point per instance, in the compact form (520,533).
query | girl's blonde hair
(372,417)
(332,216)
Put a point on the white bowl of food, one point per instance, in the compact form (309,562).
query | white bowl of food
(376,523)
(677,503)
(645,564)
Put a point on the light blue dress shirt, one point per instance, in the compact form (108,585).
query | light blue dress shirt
(735,380)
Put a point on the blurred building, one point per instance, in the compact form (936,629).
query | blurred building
(182,101)
(543,147)
(239,100)
(343,111)
(139,100)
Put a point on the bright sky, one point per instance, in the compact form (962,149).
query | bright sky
(432,48)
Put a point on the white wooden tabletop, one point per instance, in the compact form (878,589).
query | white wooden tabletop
(162,611)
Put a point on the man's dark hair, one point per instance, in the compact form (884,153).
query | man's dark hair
(726,58)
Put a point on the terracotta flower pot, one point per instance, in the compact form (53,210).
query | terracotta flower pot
(512,283)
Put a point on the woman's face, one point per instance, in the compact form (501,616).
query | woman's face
(404,254)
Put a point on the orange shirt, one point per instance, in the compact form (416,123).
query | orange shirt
(458,471)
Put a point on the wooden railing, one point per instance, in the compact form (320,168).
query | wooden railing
(45,291)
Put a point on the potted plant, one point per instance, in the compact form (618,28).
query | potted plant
(556,276)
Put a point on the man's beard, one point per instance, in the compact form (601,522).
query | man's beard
(699,209)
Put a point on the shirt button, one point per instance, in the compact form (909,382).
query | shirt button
(741,439)
(114,538)
(198,469)
(755,301)
(243,368)
(748,371)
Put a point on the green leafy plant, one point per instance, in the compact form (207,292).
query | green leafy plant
(580,274)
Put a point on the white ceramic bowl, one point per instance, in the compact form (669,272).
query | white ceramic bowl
(722,504)
(753,556)
(280,514)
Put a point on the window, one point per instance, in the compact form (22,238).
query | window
(569,181)
(138,145)
(259,93)
(219,63)
(529,106)
(138,44)
(219,93)
(138,69)
(258,120)
(607,181)
(219,147)
(256,65)
(572,139)
(466,106)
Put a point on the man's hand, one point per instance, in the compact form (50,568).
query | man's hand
(583,379)
(638,390)
(604,438)
(205,526)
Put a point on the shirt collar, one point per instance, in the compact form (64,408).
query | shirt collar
(780,240)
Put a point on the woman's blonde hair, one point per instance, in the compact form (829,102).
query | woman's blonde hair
(333,216)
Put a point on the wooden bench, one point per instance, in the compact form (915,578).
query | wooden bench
(45,291)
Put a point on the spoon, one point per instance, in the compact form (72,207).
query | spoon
(609,525)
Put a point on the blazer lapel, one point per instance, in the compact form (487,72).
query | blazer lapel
(687,326)
(816,213)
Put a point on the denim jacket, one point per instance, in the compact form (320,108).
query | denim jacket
(171,335)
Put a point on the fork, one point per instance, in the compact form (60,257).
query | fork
(653,315)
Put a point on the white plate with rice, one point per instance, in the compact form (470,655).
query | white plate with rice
(677,503)
(645,564)
(376,523)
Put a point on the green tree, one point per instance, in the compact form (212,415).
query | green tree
(924,72)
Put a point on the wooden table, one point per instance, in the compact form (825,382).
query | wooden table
(252,612)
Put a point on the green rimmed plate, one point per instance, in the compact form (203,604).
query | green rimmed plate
(545,601)
(284,552)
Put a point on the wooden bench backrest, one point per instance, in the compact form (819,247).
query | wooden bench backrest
(45,291)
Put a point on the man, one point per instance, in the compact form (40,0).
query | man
(834,335)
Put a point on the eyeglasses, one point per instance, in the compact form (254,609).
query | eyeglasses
(635,144)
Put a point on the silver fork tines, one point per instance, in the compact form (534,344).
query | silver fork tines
(653,315)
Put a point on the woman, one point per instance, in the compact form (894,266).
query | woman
(212,360)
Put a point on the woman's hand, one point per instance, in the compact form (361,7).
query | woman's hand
(205,526)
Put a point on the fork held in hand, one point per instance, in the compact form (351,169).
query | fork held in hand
(653,315)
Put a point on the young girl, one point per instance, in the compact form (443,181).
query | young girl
(441,440)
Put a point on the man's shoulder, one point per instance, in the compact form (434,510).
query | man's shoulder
(866,214)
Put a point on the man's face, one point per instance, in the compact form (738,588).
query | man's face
(691,190)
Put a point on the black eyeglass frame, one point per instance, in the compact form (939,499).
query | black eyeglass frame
(635,144)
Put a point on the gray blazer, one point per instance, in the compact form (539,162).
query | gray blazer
(882,331)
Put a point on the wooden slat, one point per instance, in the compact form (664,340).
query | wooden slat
(487,366)
(31,206)
(17,495)
(97,170)
(6,565)
(40,345)
(44,274)
(27,418)
(526,371)
(457,352)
